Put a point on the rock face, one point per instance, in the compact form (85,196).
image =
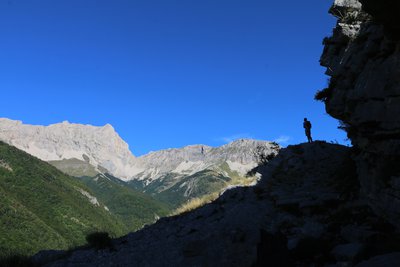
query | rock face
(100,146)
(363,59)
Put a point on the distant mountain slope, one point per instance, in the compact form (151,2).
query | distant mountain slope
(238,155)
(176,190)
(132,207)
(42,208)
(175,176)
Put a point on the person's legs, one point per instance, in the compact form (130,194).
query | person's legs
(308,134)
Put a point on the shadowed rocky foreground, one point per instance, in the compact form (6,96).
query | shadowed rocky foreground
(306,211)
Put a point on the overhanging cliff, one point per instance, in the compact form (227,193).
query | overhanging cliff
(363,60)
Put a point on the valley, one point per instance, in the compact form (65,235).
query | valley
(65,185)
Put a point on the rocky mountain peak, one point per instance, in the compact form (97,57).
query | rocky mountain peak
(108,127)
(101,146)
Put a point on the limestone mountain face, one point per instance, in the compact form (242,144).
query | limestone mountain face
(238,155)
(363,59)
(99,146)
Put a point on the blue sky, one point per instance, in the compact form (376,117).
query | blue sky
(168,73)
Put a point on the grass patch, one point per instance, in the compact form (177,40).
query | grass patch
(195,203)
(198,202)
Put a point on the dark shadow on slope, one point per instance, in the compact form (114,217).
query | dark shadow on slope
(272,251)
(17,261)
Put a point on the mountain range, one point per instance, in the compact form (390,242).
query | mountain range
(172,176)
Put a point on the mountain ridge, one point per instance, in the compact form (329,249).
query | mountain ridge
(104,149)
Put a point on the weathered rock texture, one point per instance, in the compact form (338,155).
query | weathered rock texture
(101,147)
(238,156)
(363,59)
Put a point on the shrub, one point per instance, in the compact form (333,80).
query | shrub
(99,240)
(323,95)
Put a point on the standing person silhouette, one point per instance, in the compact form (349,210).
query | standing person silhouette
(307,128)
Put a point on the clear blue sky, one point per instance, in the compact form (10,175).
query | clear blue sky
(168,73)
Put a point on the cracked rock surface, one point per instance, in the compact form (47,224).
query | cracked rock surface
(363,60)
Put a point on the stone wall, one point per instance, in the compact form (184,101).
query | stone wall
(363,61)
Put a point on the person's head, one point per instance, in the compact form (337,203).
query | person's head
(305,119)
